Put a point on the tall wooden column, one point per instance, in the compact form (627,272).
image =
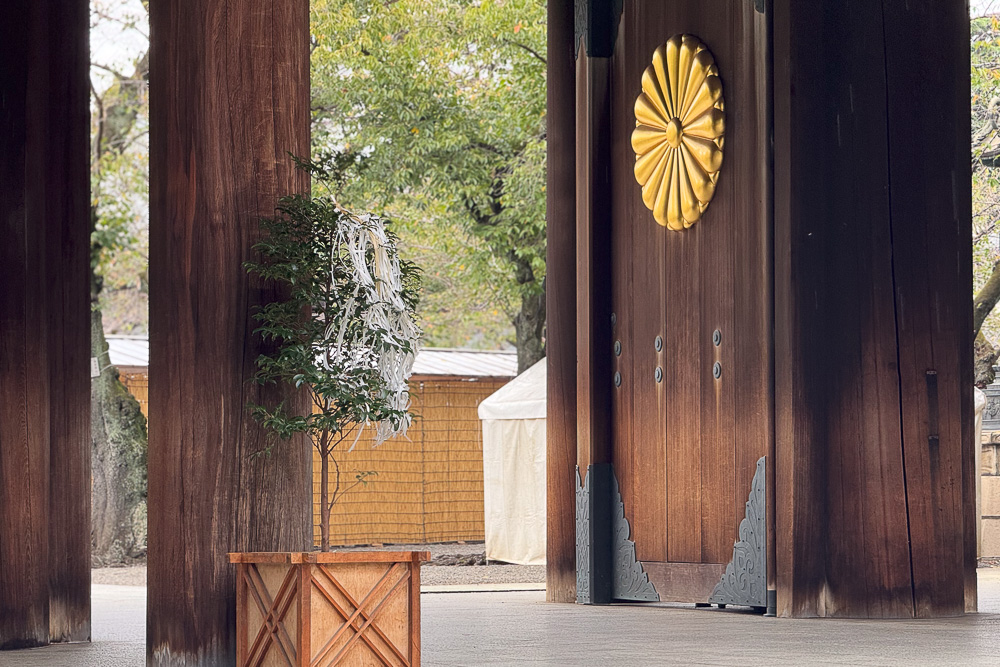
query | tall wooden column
(229,101)
(560,296)
(596,30)
(873,309)
(67,196)
(44,330)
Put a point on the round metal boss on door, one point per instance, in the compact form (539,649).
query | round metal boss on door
(618,379)
(680,123)
(658,374)
(618,348)
(717,370)
(717,338)
(658,344)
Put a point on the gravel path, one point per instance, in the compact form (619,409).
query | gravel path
(440,571)
(132,575)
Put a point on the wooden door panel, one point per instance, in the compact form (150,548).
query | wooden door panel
(686,447)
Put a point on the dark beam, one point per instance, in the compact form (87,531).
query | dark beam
(230,100)
(560,295)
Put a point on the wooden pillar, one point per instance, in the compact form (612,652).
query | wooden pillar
(229,101)
(44,330)
(560,297)
(67,195)
(595,369)
(873,345)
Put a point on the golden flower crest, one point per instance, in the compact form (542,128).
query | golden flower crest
(679,126)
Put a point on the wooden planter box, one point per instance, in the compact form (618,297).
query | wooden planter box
(324,609)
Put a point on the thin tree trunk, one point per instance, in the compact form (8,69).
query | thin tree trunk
(324,500)
(118,444)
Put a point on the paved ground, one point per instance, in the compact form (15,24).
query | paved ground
(519,628)
(431,574)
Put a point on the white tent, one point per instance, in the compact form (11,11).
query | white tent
(514,469)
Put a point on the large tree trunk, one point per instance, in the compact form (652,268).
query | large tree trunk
(118,441)
(529,327)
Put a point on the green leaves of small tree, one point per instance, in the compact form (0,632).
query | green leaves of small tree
(345,333)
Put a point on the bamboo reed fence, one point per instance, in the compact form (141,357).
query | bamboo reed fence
(429,487)
(138,385)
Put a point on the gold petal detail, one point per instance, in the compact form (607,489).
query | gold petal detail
(689,202)
(679,133)
(646,138)
(700,70)
(684,58)
(653,91)
(673,56)
(656,198)
(708,154)
(646,165)
(647,114)
(708,95)
(707,126)
(675,220)
(701,182)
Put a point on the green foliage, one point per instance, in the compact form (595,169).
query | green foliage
(443,105)
(985,102)
(345,330)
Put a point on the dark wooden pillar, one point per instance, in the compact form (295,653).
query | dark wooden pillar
(595,31)
(560,297)
(229,100)
(44,330)
(874,480)
(67,193)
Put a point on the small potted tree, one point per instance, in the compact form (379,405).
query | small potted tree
(345,334)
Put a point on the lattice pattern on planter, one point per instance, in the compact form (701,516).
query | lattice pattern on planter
(320,610)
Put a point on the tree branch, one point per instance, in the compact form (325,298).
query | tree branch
(986,299)
(528,49)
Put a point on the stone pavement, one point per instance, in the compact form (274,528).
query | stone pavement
(519,628)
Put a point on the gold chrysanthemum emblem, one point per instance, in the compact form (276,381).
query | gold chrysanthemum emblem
(679,128)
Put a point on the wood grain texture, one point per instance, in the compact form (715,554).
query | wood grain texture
(871,295)
(594,347)
(346,611)
(67,165)
(230,101)
(686,448)
(44,335)
(684,582)
(560,300)
(931,212)
(24,409)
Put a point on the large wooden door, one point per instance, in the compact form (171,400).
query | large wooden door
(693,412)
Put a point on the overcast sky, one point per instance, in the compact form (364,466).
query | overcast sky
(981,7)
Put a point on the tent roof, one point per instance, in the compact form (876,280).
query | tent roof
(521,398)
(128,350)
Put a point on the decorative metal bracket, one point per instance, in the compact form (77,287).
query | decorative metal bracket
(745,579)
(583,560)
(596,22)
(630,581)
